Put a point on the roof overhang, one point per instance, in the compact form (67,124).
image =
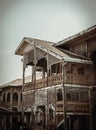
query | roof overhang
(23,47)
(27,44)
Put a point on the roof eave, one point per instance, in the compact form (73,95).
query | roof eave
(18,49)
(75,60)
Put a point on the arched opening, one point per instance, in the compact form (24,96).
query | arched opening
(40,116)
(15,97)
(4,97)
(8,97)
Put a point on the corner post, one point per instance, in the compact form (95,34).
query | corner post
(64,96)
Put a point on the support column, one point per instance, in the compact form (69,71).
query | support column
(2,96)
(69,122)
(22,94)
(34,78)
(4,124)
(34,71)
(64,97)
(55,108)
(5,97)
(90,109)
(11,104)
(47,124)
(47,92)
(47,68)
(31,119)
(10,122)
(43,73)
(19,99)
(11,98)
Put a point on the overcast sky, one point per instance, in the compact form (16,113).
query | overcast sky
(51,20)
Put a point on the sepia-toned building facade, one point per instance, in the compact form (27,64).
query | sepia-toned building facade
(63,97)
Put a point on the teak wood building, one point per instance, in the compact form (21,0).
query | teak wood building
(63,97)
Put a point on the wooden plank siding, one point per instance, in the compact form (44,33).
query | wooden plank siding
(73,106)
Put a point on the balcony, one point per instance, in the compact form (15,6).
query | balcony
(5,104)
(73,106)
(57,79)
(9,104)
(52,80)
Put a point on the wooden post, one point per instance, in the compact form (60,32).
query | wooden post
(47,91)
(47,111)
(90,109)
(34,79)
(22,93)
(10,122)
(64,97)
(69,122)
(34,70)
(55,109)
(31,115)
(47,69)
(5,122)
(87,49)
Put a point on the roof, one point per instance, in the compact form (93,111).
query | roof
(28,44)
(16,82)
(32,41)
(73,55)
(85,34)
(19,82)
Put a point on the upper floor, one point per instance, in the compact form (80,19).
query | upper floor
(83,43)
(55,65)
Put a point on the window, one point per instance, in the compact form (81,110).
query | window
(15,97)
(72,96)
(75,96)
(70,71)
(81,71)
(84,96)
(59,95)
(68,96)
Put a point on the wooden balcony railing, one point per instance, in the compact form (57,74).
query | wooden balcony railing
(52,80)
(73,106)
(14,103)
(9,104)
(5,104)
(57,79)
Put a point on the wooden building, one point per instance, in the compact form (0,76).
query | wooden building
(11,106)
(10,103)
(64,95)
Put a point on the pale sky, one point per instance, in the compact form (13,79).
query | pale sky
(51,20)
